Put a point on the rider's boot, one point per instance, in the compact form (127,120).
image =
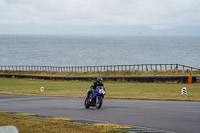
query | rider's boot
(90,98)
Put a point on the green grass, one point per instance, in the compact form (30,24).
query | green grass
(122,90)
(106,73)
(26,124)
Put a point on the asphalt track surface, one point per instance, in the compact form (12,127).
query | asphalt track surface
(173,116)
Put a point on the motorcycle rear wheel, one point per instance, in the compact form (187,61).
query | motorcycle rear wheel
(86,103)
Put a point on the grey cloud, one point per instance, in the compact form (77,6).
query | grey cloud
(158,14)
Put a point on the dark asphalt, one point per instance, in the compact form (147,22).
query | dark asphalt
(174,116)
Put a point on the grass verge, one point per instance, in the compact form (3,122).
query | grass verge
(121,90)
(27,124)
(106,73)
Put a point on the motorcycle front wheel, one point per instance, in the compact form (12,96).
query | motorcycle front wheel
(99,102)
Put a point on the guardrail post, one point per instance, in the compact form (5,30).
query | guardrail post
(142,67)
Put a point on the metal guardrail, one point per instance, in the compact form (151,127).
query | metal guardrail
(179,79)
(138,67)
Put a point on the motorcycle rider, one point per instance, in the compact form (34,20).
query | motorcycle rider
(98,82)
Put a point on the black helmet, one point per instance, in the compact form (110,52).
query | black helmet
(100,79)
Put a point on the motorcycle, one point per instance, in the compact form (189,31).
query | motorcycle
(98,100)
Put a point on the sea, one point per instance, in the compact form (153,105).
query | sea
(97,50)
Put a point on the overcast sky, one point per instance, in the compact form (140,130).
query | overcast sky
(154,14)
